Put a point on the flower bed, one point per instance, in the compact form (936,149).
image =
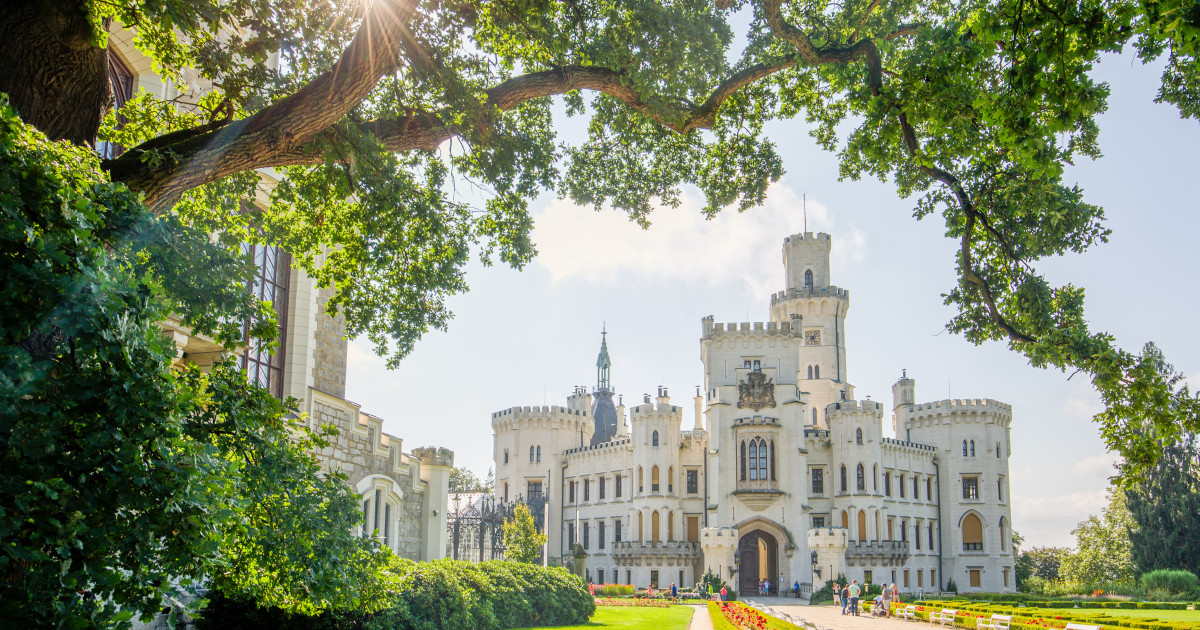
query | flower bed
(742,617)
(1032,618)
(641,602)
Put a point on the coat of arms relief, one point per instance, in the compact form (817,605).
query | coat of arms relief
(756,392)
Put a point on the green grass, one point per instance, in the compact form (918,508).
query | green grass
(1162,615)
(673,618)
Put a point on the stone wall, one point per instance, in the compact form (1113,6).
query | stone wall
(329,373)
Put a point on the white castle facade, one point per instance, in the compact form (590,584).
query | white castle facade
(782,476)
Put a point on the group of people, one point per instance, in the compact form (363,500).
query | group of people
(847,596)
(764,587)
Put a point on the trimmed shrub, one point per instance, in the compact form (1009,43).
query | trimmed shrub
(437,595)
(1173,581)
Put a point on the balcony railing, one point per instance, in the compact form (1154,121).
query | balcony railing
(888,551)
(677,551)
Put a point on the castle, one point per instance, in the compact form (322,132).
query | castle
(783,476)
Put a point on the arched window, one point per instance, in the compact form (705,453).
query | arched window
(762,459)
(754,460)
(858,436)
(964,448)
(814,416)
(530,454)
(671,479)
(862,479)
(810,372)
(641,486)
(808,280)
(640,523)
(743,460)
(843,477)
(654,439)
(654,479)
(875,478)
(539,453)
(816,371)
(772,460)
(505,456)
(972,533)
(1003,534)
(670,526)
(862,526)
(972,448)
(654,526)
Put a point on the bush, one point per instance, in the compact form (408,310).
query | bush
(436,595)
(615,590)
(1173,581)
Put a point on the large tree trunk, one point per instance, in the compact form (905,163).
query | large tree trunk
(54,76)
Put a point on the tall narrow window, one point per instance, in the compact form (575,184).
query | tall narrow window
(887,484)
(270,284)
(928,490)
(772,460)
(693,481)
(617,480)
(387,519)
(587,489)
(858,436)
(571,493)
(964,448)
(972,532)
(616,533)
(843,477)
(530,454)
(862,479)
(641,485)
(762,460)
(1003,534)
(808,280)
(600,536)
(916,488)
(505,456)
(654,479)
(972,448)
(818,481)
(671,479)
(120,77)
(970,487)
(654,531)
(810,372)
(816,371)
(654,439)
(814,416)
(539,453)
(743,458)
(875,478)
(997,450)
(602,488)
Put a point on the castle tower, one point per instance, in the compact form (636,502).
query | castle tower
(819,308)
(904,393)
(604,412)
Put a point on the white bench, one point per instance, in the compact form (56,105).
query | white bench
(1080,626)
(997,622)
(909,612)
(945,617)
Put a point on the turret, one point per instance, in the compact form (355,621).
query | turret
(806,261)
(904,393)
(603,410)
(699,426)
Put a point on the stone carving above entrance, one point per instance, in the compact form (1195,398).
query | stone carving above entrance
(756,392)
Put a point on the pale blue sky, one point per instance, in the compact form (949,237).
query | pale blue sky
(526,338)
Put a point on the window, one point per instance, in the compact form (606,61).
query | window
(808,280)
(931,546)
(571,534)
(641,522)
(600,572)
(928,490)
(587,489)
(754,459)
(906,578)
(617,479)
(818,481)
(571,492)
(933,578)
(539,453)
(972,531)
(887,483)
(602,488)
(972,448)
(772,460)
(920,578)
(917,535)
(816,371)
(891,526)
(616,532)
(505,456)
(587,529)
(366,518)
(743,458)
(814,416)
(964,448)
(843,477)
(862,479)
(810,376)
(916,488)
(866,580)
(506,492)
(858,436)
(970,487)
(272,275)
(818,521)
(903,529)
(654,530)
(671,479)
(758,460)
(901,485)
(693,529)
(1005,574)
(670,526)
(654,479)
(628,576)
(998,456)
(975,578)
(693,481)
(641,486)
(1000,488)
(1003,536)
(654,579)
(120,77)
(533,490)
(875,478)
(654,439)
(530,454)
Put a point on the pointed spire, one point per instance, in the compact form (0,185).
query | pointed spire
(603,362)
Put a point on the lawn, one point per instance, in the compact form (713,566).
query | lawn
(672,618)
(1162,615)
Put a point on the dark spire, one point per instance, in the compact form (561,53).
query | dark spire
(604,413)
(603,362)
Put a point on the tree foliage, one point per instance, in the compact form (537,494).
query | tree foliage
(522,540)
(1102,549)
(463,480)
(122,480)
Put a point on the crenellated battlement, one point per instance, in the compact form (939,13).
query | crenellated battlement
(960,407)
(434,456)
(901,444)
(847,407)
(594,448)
(813,237)
(652,409)
(811,292)
(714,330)
(538,411)
(756,421)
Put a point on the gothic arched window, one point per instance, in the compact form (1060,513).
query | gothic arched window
(875,478)
(539,453)
(810,372)
(654,479)
(762,459)
(530,454)
(964,448)
(816,371)
(654,439)
(972,532)
(505,456)
(843,477)
(754,460)
(743,460)
(772,460)
(808,279)
(972,448)
(858,436)
(814,416)
(862,478)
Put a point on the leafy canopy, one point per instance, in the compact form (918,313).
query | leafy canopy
(522,540)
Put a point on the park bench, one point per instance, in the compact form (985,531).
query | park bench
(909,612)
(1080,626)
(942,618)
(997,622)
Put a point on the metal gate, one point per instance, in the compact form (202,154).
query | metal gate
(475,524)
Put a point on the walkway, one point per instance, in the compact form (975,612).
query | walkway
(827,615)
(700,618)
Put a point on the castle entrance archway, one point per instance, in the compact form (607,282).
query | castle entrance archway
(758,557)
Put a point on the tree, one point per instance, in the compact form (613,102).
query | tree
(463,480)
(1046,561)
(522,540)
(489,482)
(1102,548)
(117,473)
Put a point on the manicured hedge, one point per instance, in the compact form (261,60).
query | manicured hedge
(1031,618)
(437,595)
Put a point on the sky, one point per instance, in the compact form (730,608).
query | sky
(529,337)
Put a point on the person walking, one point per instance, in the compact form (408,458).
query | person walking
(837,594)
(895,593)
(674,591)
(723,593)
(796,589)
(887,600)
(845,597)
(855,591)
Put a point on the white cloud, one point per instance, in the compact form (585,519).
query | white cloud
(576,242)
(1096,466)
(1048,520)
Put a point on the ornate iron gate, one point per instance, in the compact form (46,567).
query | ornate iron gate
(475,524)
